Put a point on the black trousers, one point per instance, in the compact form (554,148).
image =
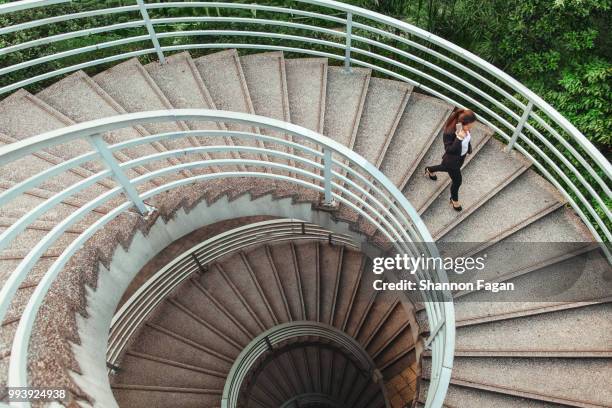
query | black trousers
(455,175)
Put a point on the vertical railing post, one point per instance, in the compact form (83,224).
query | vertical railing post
(119,175)
(347,50)
(327,176)
(151,30)
(520,125)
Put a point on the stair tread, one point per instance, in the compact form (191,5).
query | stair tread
(306,89)
(490,170)
(531,377)
(130,85)
(224,79)
(550,332)
(384,105)
(555,236)
(523,201)
(181,83)
(142,371)
(419,126)
(81,99)
(458,396)
(306,84)
(420,190)
(33,164)
(578,279)
(162,345)
(23,115)
(344,103)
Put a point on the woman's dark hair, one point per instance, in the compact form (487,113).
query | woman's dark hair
(464,116)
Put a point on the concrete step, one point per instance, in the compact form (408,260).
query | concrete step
(344,102)
(420,190)
(220,283)
(554,334)
(265,272)
(142,369)
(555,237)
(182,85)
(307,255)
(222,73)
(306,89)
(384,106)
(266,80)
(131,86)
(22,115)
(353,264)
(466,397)
(420,124)
(25,241)
(7,266)
(330,265)
(531,378)
(246,282)
(285,262)
(302,371)
(81,99)
(179,318)
(33,164)
(364,299)
(396,324)
(151,396)
(11,211)
(487,174)
(564,285)
(159,342)
(207,305)
(526,199)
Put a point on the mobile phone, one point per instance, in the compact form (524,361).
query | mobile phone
(458,127)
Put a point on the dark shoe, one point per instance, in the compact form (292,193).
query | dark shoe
(456,208)
(430,174)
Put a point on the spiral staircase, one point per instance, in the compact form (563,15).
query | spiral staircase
(550,348)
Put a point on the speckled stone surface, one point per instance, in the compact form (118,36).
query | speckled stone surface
(306,85)
(553,237)
(560,333)
(500,169)
(130,85)
(223,76)
(584,278)
(459,396)
(526,199)
(384,106)
(181,83)
(419,126)
(22,115)
(82,99)
(344,103)
(589,377)
(420,190)
(31,165)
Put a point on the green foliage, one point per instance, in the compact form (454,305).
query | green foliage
(561,49)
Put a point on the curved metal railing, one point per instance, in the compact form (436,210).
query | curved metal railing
(282,333)
(340,32)
(193,261)
(336,172)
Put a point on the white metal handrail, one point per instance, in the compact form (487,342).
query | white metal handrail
(346,178)
(148,296)
(518,116)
